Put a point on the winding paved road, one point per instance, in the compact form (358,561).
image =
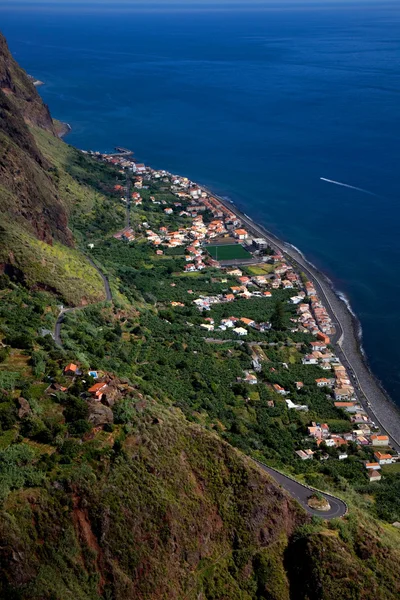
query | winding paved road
(64,311)
(301,493)
(374,399)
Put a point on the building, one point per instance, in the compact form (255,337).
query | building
(260,243)
(372,465)
(379,440)
(279,389)
(248,322)
(72,369)
(343,393)
(240,331)
(324,382)
(97,390)
(305,454)
(241,234)
(374,476)
(323,337)
(383,459)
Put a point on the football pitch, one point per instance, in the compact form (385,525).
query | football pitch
(228,252)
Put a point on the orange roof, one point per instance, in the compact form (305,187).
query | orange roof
(71,367)
(380,437)
(381,456)
(97,387)
(246,321)
(240,231)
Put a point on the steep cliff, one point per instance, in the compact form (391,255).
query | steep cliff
(37,191)
(17,85)
(28,193)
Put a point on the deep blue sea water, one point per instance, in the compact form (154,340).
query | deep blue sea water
(258,104)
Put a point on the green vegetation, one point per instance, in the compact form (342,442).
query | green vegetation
(147,492)
(228,252)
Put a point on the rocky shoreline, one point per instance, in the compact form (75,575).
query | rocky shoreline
(62,129)
(347,342)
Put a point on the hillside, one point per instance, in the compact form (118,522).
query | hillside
(148,490)
(34,206)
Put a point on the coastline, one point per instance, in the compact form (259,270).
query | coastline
(62,129)
(347,340)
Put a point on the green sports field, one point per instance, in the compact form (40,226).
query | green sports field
(228,252)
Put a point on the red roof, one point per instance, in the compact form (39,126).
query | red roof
(96,388)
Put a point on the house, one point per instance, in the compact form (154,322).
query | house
(343,393)
(241,234)
(380,440)
(372,465)
(343,456)
(234,272)
(324,382)
(244,280)
(279,389)
(240,331)
(267,294)
(374,476)
(168,211)
(305,454)
(250,378)
(323,338)
(318,346)
(72,369)
(228,322)
(383,459)
(330,443)
(98,389)
(318,431)
(338,440)
(309,360)
(248,322)
(260,243)
(207,326)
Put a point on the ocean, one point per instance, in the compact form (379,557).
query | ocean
(259,104)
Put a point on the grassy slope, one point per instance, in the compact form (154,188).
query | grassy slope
(175,513)
(60,268)
(171,512)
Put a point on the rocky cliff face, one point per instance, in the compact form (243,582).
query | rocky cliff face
(28,192)
(15,83)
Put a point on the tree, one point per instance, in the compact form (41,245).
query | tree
(278,317)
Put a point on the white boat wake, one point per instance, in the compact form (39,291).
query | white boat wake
(346,185)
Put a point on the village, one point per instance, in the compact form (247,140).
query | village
(211,236)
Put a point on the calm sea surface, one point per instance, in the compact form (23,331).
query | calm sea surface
(258,104)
